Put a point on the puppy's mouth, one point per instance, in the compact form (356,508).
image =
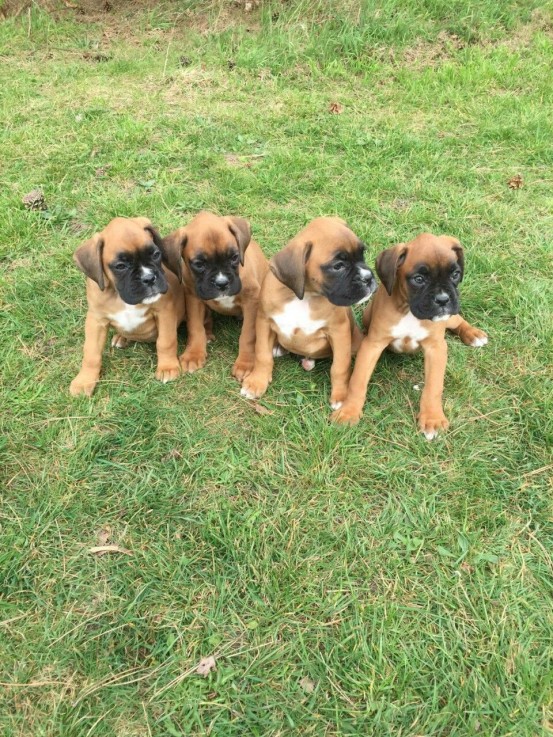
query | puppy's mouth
(152,299)
(441,318)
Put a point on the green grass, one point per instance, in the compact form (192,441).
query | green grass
(409,582)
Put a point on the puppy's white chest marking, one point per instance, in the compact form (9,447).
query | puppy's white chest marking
(296,315)
(129,318)
(226,303)
(408,333)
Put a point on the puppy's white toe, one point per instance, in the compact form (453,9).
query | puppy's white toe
(308,364)
(479,342)
(431,435)
(279,351)
(335,405)
(247,393)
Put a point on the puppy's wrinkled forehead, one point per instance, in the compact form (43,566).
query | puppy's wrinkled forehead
(208,234)
(125,234)
(435,251)
(329,236)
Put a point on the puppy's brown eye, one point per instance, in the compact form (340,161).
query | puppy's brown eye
(235,259)
(338,266)
(456,275)
(418,279)
(156,255)
(121,266)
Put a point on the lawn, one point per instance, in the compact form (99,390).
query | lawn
(347,581)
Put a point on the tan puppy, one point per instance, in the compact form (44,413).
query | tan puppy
(413,306)
(305,304)
(130,290)
(223,271)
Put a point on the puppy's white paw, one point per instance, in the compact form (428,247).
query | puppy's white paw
(479,342)
(279,351)
(335,405)
(248,393)
(308,364)
(431,435)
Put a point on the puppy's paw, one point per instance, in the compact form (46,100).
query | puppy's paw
(167,372)
(473,336)
(431,422)
(82,384)
(191,361)
(279,351)
(242,367)
(254,386)
(338,397)
(307,364)
(346,415)
(118,341)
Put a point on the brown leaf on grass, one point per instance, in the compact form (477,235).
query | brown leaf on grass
(261,410)
(173,455)
(103,535)
(101,171)
(515,182)
(35,200)
(307,684)
(205,666)
(335,108)
(103,549)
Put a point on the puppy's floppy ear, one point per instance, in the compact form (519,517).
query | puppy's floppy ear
(387,264)
(241,230)
(88,258)
(289,266)
(458,249)
(171,249)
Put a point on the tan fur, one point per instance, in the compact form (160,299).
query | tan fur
(209,234)
(160,319)
(386,312)
(312,247)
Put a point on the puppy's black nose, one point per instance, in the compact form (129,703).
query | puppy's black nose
(148,279)
(221,281)
(441,299)
(367,277)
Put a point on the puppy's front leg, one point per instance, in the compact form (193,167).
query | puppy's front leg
(195,354)
(431,416)
(351,410)
(468,333)
(246,344)
(168,366)
(340,341)
(255,385)
(96,331)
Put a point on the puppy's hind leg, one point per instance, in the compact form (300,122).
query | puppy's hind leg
(468,333)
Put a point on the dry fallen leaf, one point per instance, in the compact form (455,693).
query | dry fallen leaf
(103,549)
(515,182)
(103,535)
(307,684)
(336,108)
(261,410)
(205,666)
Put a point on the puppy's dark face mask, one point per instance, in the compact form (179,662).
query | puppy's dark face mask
(432,290)
(346,278)
(424,273)
(216,275)
(138,276)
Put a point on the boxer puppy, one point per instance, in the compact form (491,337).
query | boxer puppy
(130,289)
(223,271)
(415,304)
(305,304)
